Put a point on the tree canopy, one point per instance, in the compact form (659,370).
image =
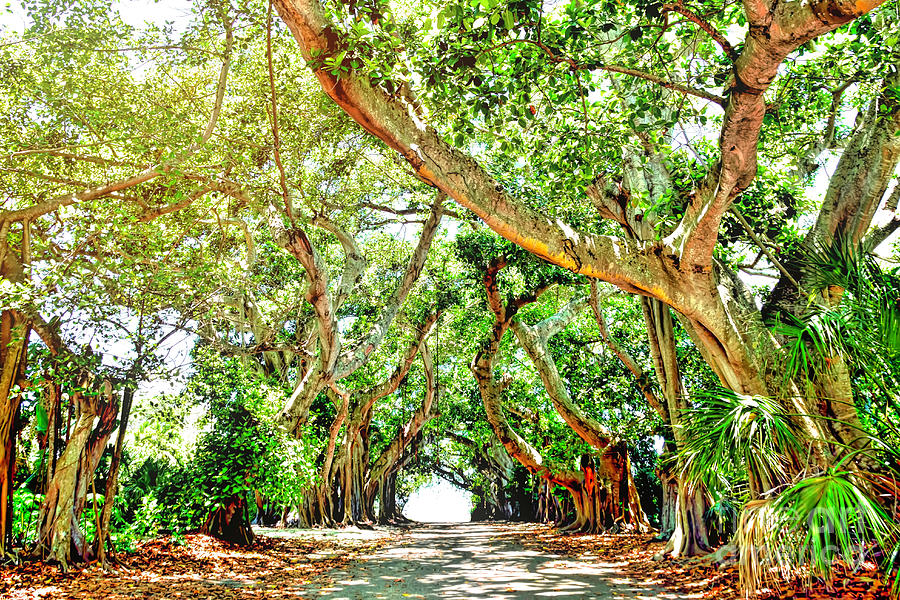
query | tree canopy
(620,267)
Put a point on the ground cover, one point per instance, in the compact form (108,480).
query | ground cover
(454,561)
(198,566)
(699,576)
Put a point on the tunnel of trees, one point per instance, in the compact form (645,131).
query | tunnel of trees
(620,267)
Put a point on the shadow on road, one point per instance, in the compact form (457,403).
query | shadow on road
(477,561)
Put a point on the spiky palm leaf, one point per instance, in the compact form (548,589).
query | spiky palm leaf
(725,429)
(841,514)
(864,326)
(809,527)
(833,516)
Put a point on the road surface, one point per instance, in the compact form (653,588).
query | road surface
(476,561)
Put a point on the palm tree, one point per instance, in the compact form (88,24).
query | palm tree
(796,520)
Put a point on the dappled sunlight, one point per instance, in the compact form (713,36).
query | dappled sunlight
(477,560)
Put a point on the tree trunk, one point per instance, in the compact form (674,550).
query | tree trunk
(87,467)
(59,530)
(689,536)
(112,479)
(356,445)
(387,508)
(669,502)
(52,394)
(13,352)
(610,496)
(230,522)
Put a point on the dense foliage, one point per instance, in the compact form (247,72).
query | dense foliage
(609,266)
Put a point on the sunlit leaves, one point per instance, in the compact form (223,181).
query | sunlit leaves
(727,432)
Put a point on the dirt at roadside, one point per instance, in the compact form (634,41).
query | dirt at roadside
(636,551)
(199,567)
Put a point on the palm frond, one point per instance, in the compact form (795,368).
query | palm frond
(840,264)
(722,516)
(837,518)
(858,322)
(725,429)
(813,524)
(761,563)
(813,338)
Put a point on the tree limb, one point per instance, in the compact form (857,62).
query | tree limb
(32,212)
(702,24)
(627,360)
(534,341)
(359,354)
(355,262)
(461,178)
(637,73)
(390,385)
(773,35)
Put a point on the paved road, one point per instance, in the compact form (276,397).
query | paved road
(475,561)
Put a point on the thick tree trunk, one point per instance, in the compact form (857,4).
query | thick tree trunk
(13,351)
(387,500)
(230,522)
(856,190)
(351,473)
(622,508)
(59,530)
(548,509)
(87,467)
(690,537)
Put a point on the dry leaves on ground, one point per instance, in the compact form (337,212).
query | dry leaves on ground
(200,567)
(635,553)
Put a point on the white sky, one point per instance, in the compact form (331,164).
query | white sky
(439,502)
(134,12)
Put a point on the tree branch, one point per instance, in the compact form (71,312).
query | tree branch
(702,24)
(773,35)
(491,388)
(32,212)
(626,359)
(460,177)
(576,66)
(534,341)
(359,354)
(389,386)
(772,258)
(392,453)
(276,137)
(355,262)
